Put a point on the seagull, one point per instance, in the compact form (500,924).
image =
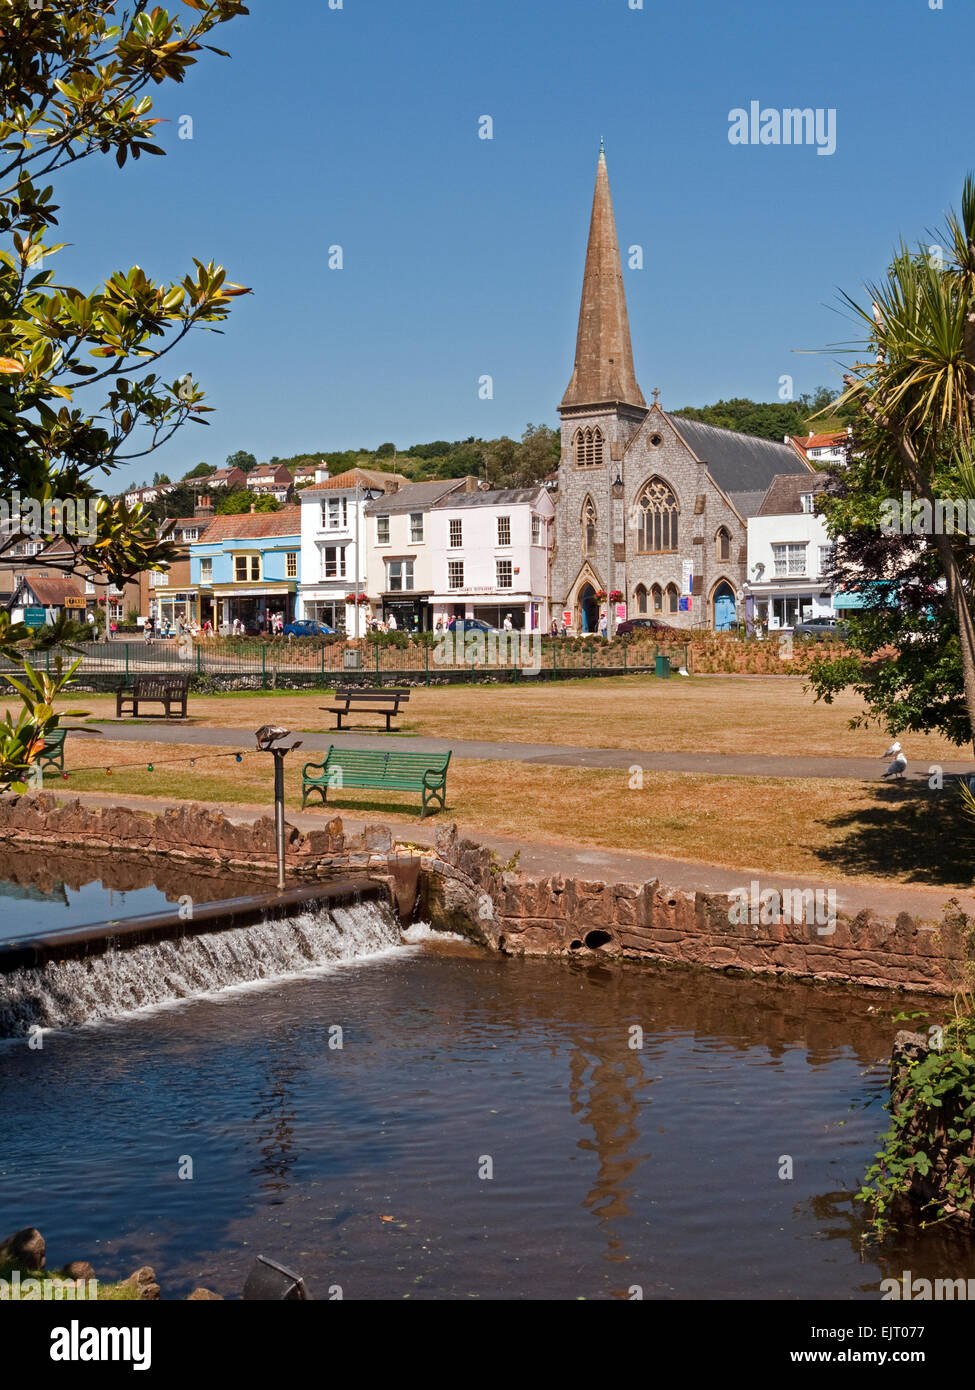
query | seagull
(899,766)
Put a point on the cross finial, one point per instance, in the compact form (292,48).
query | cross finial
(656,395)
(602,147)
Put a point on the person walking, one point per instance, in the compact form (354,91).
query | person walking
(603,624)
(392,624)
(112,630)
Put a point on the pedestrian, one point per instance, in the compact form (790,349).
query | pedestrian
(147,628)
(391,625)
(565,629)
(603,624)
(507,624)
(112,630)
(439,627)
(555,628)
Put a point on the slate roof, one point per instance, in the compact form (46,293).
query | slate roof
(746,504)
(252,526)
(782,497)
(502,497)
(414,497)
(737,462)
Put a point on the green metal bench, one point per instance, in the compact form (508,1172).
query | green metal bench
(355,767)
(52,751)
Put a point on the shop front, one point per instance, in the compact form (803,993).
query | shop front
(169,609)
(412,614)
(256,607)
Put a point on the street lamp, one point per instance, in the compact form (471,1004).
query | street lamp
(267,736)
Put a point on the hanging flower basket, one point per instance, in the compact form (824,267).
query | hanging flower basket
(357,598)
(615,596)
(600,595)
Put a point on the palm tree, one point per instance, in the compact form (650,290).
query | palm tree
(917,394)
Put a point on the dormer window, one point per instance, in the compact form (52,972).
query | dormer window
(806,501)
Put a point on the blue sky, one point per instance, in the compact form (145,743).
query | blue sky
(463,257)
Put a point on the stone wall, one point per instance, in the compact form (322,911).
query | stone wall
(457,885)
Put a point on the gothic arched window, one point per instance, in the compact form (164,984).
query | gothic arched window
(657,598)
(589,526)
(722,543)
(588,446)
(672,598)
(641,599)
(658,514)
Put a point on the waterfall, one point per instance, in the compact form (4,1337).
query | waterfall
(68,993)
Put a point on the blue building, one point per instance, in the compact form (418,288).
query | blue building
(247,567)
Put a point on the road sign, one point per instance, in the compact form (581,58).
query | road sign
(35,617)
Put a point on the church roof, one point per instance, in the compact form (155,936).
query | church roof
(746,504)
(737,462)
(603,370)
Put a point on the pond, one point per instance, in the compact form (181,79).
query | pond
(426,1121)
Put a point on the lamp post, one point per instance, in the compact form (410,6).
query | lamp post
(267,737)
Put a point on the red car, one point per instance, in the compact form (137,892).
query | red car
(653,627)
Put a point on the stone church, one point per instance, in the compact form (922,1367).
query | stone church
(650,507)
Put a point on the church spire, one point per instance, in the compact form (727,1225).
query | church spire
(604,355)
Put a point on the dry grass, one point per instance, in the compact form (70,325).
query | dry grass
(714,714)
(841,828)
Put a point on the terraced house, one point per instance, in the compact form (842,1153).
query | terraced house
(651,509)
(247,567)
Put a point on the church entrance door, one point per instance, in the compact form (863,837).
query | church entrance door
(589,607)
(724,608)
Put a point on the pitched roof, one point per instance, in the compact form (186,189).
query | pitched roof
(414,497)
(737,462)
(746,504)
(253,526)
(603,369)
(50,592)
(820,441)
(367,477)
(502,497)
(784,491)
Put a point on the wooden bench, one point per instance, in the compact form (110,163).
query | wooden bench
(386,702)
(354,767)
(169,691)
(52,750)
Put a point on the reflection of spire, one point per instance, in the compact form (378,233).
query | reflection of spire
(606,1081)
(275,1118)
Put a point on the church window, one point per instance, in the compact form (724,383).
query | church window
(657,598)
(588,447)
(641,599)
(723,543)
(658,514)
(672,597)
(589,525)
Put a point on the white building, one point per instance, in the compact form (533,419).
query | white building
(789,553)
(490,557)
(333,545)
(399,565)
(820,449)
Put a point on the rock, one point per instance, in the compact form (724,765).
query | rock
(203,1296)
(144,1280)
(78,1269)
(26,1247)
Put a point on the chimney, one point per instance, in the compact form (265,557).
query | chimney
(322,473)
(470,483)
(391,487)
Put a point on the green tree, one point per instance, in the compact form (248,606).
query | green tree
(202,470)
(233,503)
(914,398)
(80,389)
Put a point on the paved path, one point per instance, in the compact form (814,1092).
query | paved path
(558,755)
(543,857)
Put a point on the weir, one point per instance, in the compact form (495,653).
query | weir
(108,976)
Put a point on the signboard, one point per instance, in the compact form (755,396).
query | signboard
(567,617)
(74,601)
(688,569)
(621,612)
(35,617)
(684,604)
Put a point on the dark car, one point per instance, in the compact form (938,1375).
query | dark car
(308,627)
(820,629)
(651,626)
(470,625)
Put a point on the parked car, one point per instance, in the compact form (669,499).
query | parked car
(308,627)
(820,629)
(471,625)
(653,627)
